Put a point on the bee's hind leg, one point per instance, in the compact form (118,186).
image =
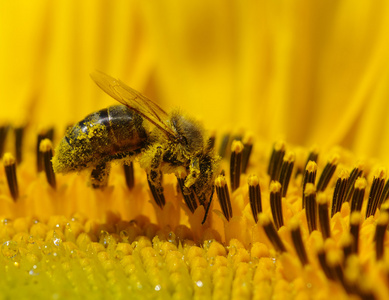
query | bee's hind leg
(100,174)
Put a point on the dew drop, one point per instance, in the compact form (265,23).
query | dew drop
(171,238)
(9,249)
(124,236)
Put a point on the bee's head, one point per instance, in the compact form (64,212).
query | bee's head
(190,134)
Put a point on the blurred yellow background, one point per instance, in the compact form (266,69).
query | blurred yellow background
(306,71)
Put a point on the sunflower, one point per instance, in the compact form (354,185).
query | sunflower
(294,97)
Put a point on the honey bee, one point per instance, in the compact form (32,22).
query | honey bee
(139,129)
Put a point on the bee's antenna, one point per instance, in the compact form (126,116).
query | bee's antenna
(209,205)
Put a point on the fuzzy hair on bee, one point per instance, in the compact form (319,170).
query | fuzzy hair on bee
(139,129)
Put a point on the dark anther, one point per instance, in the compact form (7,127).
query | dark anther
(385,193)
(311,207)
(321,255)
(19,131)
(46,148)
(224,196)
(248,147)
(49,134)
(3,136)
(324,220)
(327,173)
(382,224)
(276,204)
(312,156)
(339,192)
(224,145)
(308,177)
(375,193)
(276,159)
(355,224)
(286,171)
(347,245)
(235,164)
(359,193)
(355,173)
(255,196)
(10,171)
(298,242)
(271,232)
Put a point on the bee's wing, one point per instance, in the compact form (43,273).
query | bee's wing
(133,100)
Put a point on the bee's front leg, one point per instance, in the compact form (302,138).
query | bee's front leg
(194,172)
(154,175)
(99,175)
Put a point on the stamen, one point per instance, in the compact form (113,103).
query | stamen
(255,196)
(309,177)
(321,255)
(327,173)
(271,232)
(382,224)
(3,136)
(235,164)
(339,192)
(312,156)
(385,193)
(334,261)
(353,275)
(276,204)
(158,195)
(286,171)
(41,136)
(355,224)
(276,159)
(248,147)
(224,145)
(324,221)
(190,198)
(311,208)
(298,241)
(346,242)
(129,175)
(224,196)
(46,148)
(359,193)
(385,207)
(19,131)
(211,142)
(10,172)
(355,173)
(375,192)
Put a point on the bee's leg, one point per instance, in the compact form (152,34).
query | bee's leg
(154,175)
(194,172)
(99,175)
(158,195)
(208,206)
